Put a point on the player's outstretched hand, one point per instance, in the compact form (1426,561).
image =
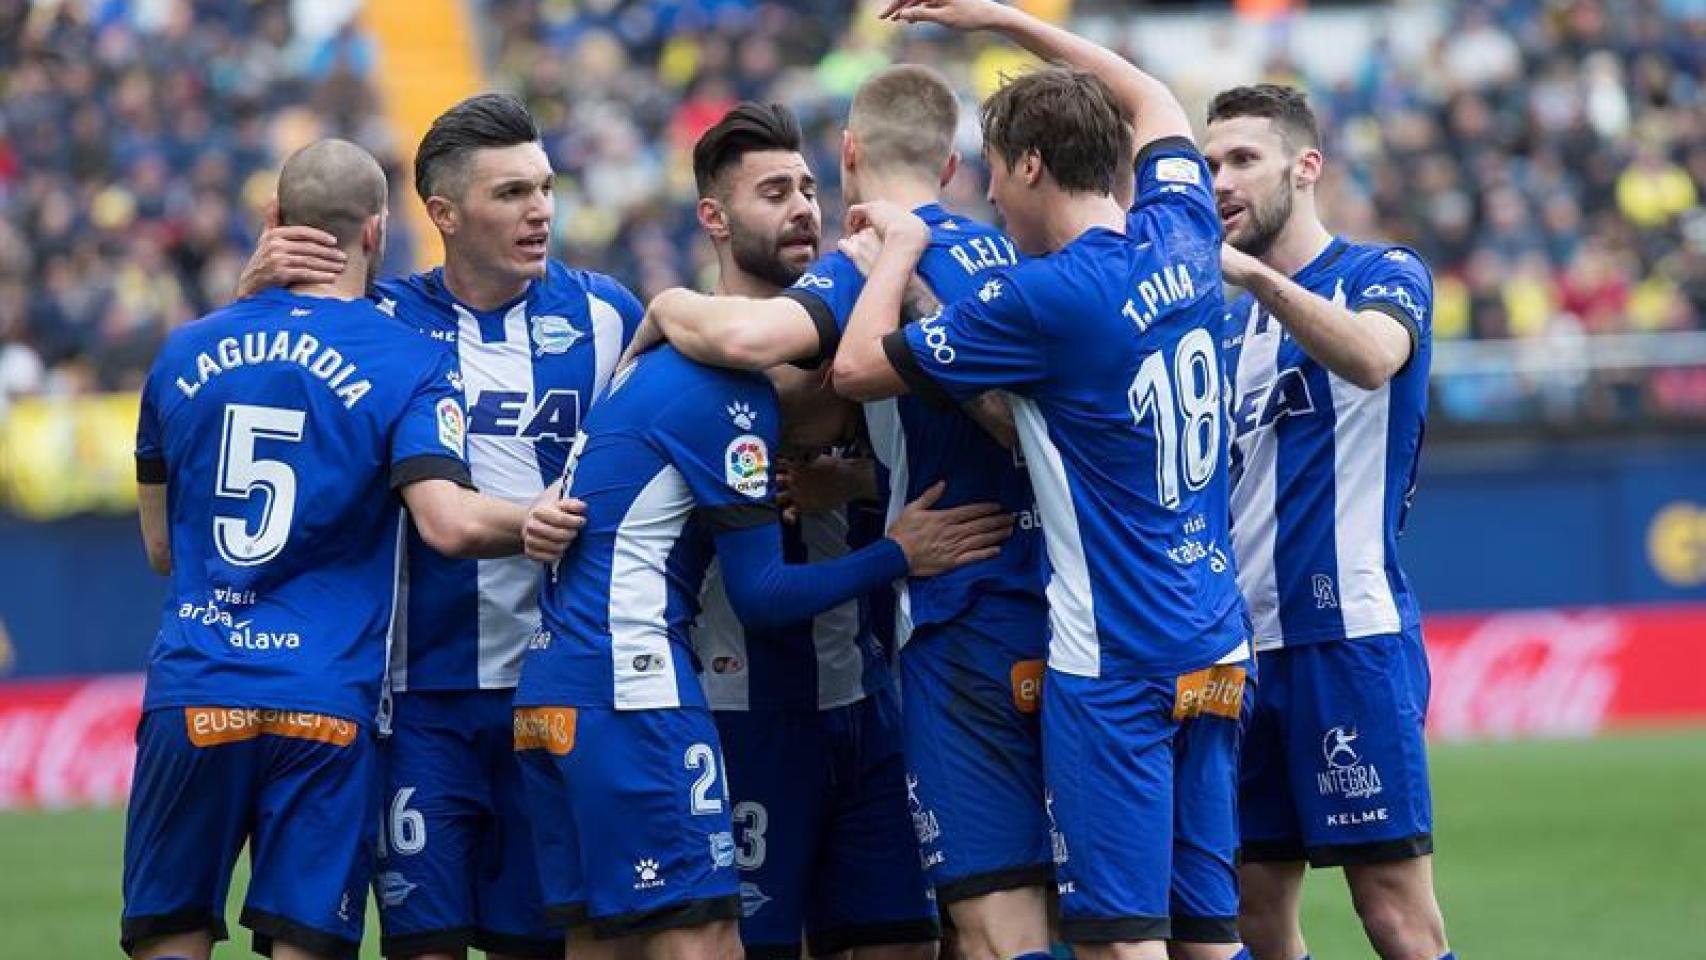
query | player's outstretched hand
(955,14)
(889,221)
(862,248)
(287,255)
(1236,266)
(552,524)
(935,541)
(651,332)
(817,485)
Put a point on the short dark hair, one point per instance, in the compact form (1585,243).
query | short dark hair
(748,128)
(1287,107)
(481,121)
(1070,118)
(332,185)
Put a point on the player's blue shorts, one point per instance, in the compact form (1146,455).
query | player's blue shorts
(1142,779)
(822,835)
(974,749)
(630,812)
(301,789)
(456,867)
(1335,766)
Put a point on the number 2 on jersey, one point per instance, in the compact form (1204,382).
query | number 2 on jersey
(242,474)
(1192,386)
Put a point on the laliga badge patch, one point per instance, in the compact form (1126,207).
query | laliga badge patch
(1177,170)
(451,427)
(745,466)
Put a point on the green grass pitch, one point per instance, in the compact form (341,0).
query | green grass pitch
(1546,849)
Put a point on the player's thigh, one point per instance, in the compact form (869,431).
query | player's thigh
(1357,750)
(1211,705)
(1107,745)
(509,903)
(973,745)
(652,815)
(186,821)
(868,888)
(777,787)
(315,833)
(1267,814)
(435,811)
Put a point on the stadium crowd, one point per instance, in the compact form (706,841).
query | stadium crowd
(1548,157)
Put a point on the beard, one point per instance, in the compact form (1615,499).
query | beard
(762,256)
(1264,221)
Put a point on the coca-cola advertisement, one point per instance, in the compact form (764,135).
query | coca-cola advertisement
(1530,673)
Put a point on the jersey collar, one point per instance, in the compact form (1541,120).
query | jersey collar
(1323,261)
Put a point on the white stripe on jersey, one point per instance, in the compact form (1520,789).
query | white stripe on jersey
(1073,646)
(718,635)
(507,589)
(835,632)
(606,343)
(1362,421)
(888,441)
(641,661)
(1255,518)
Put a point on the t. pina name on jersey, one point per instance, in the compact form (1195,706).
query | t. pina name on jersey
(1163,288)
(280,346)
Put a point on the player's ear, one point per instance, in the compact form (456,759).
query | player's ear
(713,218)
(849,152)
(1030,168)
(950,168)
(1306,169)
(443,214)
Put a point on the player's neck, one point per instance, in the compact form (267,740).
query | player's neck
(350,285)
(1298,244)
(477,290)
(899,189)
(1071,215)
(732,281)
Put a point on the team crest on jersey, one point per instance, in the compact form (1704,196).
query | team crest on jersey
(452,428)
(746,466)
(1177,170)
(553,334)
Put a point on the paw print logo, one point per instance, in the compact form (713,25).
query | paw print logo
(742,414)
(989,291)
(647,869)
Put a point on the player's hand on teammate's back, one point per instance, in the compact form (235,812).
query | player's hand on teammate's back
(820,484)
(936,541)
(956,14)
(1236,266)
(552,524)
(861,247)
(288,255)
(891,222)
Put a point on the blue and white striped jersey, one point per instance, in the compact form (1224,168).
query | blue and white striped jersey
(1110,348)
(829,661)
(920,441)
(675,466)
(282,426)
(1323,470)
(529,370)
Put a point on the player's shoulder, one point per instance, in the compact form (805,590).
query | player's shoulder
(564,282)
(1364,256)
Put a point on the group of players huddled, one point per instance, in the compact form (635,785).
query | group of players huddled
(485,569)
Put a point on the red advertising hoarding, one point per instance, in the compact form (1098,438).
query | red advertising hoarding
(1532,673)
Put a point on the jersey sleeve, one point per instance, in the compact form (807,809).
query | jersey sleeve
(628,306)
(1174,191)
(985,342)
(150,439)
(767,592)
(1399,285)
(430,439)
(722,438)
(828,290)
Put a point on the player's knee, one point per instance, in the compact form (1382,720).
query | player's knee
(1401,923)
(1000,925)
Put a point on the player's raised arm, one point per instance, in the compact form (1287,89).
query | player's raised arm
(742,333)
(1156,112)
(863,370)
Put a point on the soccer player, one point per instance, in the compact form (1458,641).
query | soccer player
(973,640)
(534,343)
(278,438)
(627,789)
(807,713)
(1109,346)
(1330,346)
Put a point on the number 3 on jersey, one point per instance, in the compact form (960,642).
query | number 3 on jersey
(1192,386)
(242,474)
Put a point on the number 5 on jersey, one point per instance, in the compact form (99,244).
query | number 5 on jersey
(242,474)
